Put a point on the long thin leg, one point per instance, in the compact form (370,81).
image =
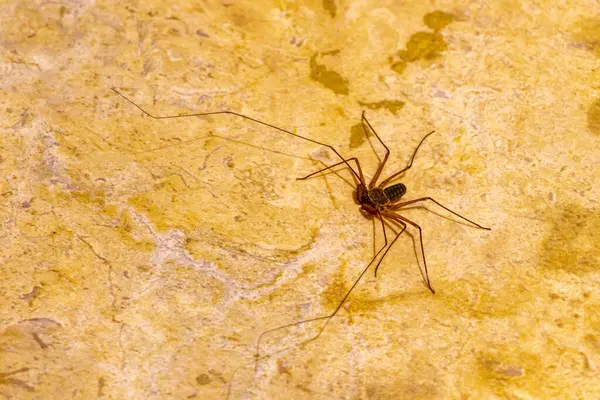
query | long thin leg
(391,244)
(360,173)
(385,157)
(395,216)
(388,179)
(398,206)
(330,316)
(241,116)
(258,357)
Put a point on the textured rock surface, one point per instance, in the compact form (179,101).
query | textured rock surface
(142,259)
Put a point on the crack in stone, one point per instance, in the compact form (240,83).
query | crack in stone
(109,273)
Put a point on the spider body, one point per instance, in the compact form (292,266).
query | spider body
(378,199)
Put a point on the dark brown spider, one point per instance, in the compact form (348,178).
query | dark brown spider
(378,200)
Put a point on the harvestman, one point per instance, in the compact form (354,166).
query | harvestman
(377,200)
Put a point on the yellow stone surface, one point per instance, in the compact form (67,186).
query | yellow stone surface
(142,259)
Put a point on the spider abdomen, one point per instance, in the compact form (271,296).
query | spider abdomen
(394,192)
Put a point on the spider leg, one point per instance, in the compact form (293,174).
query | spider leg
(398,206)
(391,244)
(259,357)
(326,317)
(241,116)
(388,179)
(385,157)
(360,173)
(397,217)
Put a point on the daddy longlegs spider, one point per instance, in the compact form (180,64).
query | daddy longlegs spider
(376,200)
